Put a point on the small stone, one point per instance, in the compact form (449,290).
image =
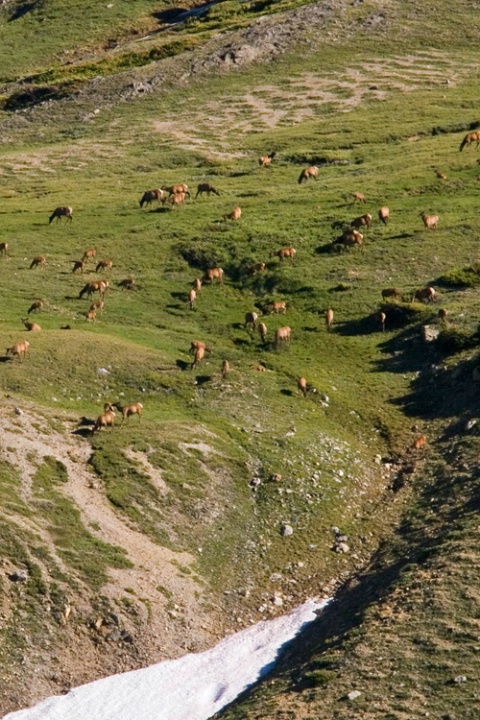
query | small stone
(277,600)
(286,530)
(275,577)
(103,371)
(342,548)
(353,695)
(459,679)
(18,576)
(17,411)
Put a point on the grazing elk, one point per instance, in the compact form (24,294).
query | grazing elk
(283,335)
(4,249)
(278,307)
(443,315)
(359,197)
(150,195)
(329,319)
(182,188)
(91,315)
(104,265)
(98,305)
(266,160)
(36,306)
(128,410)
(262,331)
(20,349)
(60,212)
(198,356)
(430,221)
(391,293)
(302,386)
(104,421)
(225,369)
(350,238)
(192,296)
(214,274)
(31,326)
(285,252)
(472,137)
(89,254)
(206,188)
(362,221)
(307,173)
(127,284)
(250,320)
(257,267)
(78,266)
(384,215)
(426,294)
(89,289)
(38,261)
(235,215)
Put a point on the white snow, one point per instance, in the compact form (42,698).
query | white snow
(193,687)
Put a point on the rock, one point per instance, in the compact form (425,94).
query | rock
(103,371)
(275,577)
(342,547)
(18,576)
(276,477)
(17,411)
(277,599)
(459,679)
(430,333)
(286,530)
(113,636)
(353,695)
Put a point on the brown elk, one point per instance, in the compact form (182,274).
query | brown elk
(283,335)
(198,356)
(441,175)
(384,215)
(176,199)
(197,285)
(38,261)
(31,326)
(430,221)
(103,421)
(329,319)
(91,315)
(206,188)
(150,195)
(89,254)
(36,306)
(419,442)
(443,314)
(128,410)
(235,215)
(257,267)
(20,349)
(98,305)
(279,307)
(359,197)
(78,266)
(302,386)
(472,137)
(60,212)
(225,369)
(266,160)
(127,284)
(195,345)
(182,188)
(362,221)
(426,294)
(381,318)
(285,252)
(4,249)
(393,293)
(214,274)
(307,173)
(104,265)
(350,238)
(250,320)
(262,331)
(192,296)
(89,289)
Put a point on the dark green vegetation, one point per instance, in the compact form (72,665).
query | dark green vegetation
(379,110)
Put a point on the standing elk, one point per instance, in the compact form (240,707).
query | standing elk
(426,294)
(384,215)
(198,356)
(206,188)
(182,188)
(362,221)
(225,369)
(89,254)
(105,420)
(4,249)
(285,252)
(430,221)
(197,285)
(60,212)
(266,160)
(176,199)
(128,410)
(150,195)
(359,197)
(20,349)
(104,265)
(262,331)
(250,320)
(282,335)
(192,296)
(350,238)
(214,274)
(235,215)
(381,318)
(278,307)
(307,173)
(302,386)
(329,319)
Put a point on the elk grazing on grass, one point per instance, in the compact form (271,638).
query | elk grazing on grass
(285,252)
(91,315)
(283,335)
(257,267)
(381,318)
(235,215)
(302,386)
(384,215)
(104,265)
(31,326)
(128,410)
(38,261)
(60,212)
(266,160)
(279,307)
(150,196)
(391,293)
(206,188)
(250,320)
(176,199)
(350,238)
(359,197)
(36,306)
(4,249)
(307,173)
(430,221)
(89,289)
(262,331)
(225,369)
(181,189)
(329,319)
(89,254)
(78,266)
(104,421)
(127,284)
(20,349)
(192,296)
(362,221)
(472,137)
(214,274)
(98,305)
(426,294)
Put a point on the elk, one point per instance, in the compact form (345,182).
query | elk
(98,305)
(127,284)
(196,345)
(225,369)
(329,319)
(78,266)
(419,442)
(307,173)
(31,326)
(283,335)
(198,357)
(192,296)
(214,274)
(104,265)
(381,318)
(362,221)
(285,252)
(20,349)
(197,285)
(39,260)
(206,188)
(150,195)
(262,331)
(105,420)
(430,221)
(391,293)
(384,215)
(443,314)
(439,174)
(359,197)
(4,249)
(259,368)
(128,410)
(36,306)
(89,254)
(266,160)
(176,189)
(257,267)
(176,199)
(89,289)
(426,294)
(472,137)
(302,386)
(91,315)
(250,320)
(278,307)
(60,212)
(234,215)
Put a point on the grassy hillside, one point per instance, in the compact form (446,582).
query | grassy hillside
(193,479)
